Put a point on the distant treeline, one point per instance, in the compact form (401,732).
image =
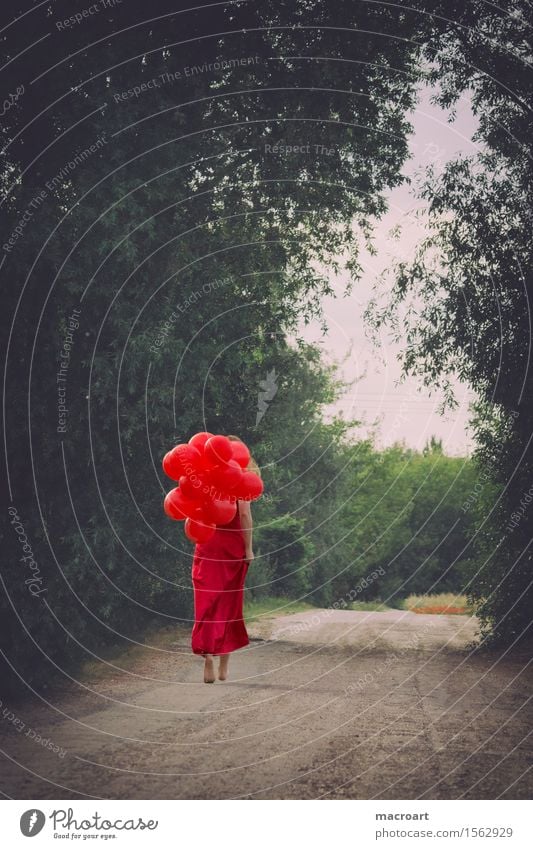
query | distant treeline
(376,524)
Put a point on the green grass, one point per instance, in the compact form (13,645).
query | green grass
(262,608)
(369,605)
(446,603)
(279,605)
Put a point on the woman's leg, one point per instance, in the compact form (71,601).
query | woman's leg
(209,669)
(223,667)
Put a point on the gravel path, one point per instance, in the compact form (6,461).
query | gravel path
(335,704)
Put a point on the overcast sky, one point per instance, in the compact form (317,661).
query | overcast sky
(401,412)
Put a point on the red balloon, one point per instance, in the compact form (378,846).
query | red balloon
(190,459)
(199,514)
(218,449)
(171,508)
(199,439)
(220,511)
(250,487)
(226,478)
(207,492)
(204,465)
(240,454)
(198,531)
(191,487)
(188,506)
(171,466)
(182,460)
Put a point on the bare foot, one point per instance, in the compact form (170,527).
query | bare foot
(223,667)
(209,669)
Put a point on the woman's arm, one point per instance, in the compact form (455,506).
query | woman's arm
(245,515)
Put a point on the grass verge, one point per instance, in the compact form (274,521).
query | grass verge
(369,605)
(263,608)
(444,603)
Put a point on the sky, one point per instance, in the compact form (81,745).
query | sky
(397,412)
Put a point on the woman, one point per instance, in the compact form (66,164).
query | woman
(218,572)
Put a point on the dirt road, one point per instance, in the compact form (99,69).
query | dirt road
(332,704)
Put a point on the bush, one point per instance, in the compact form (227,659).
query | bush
(286,552)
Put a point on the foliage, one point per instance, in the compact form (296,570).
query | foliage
(192,253)
(392,523)
(408,525)
(472,278)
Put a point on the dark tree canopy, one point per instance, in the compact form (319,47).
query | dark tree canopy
(192,169)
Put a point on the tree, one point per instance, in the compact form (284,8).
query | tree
(141,188)
(472,276)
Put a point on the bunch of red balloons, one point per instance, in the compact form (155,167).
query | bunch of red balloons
(211,471)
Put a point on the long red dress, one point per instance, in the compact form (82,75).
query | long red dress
(218,573)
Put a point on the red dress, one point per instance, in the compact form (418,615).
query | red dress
(218,573)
